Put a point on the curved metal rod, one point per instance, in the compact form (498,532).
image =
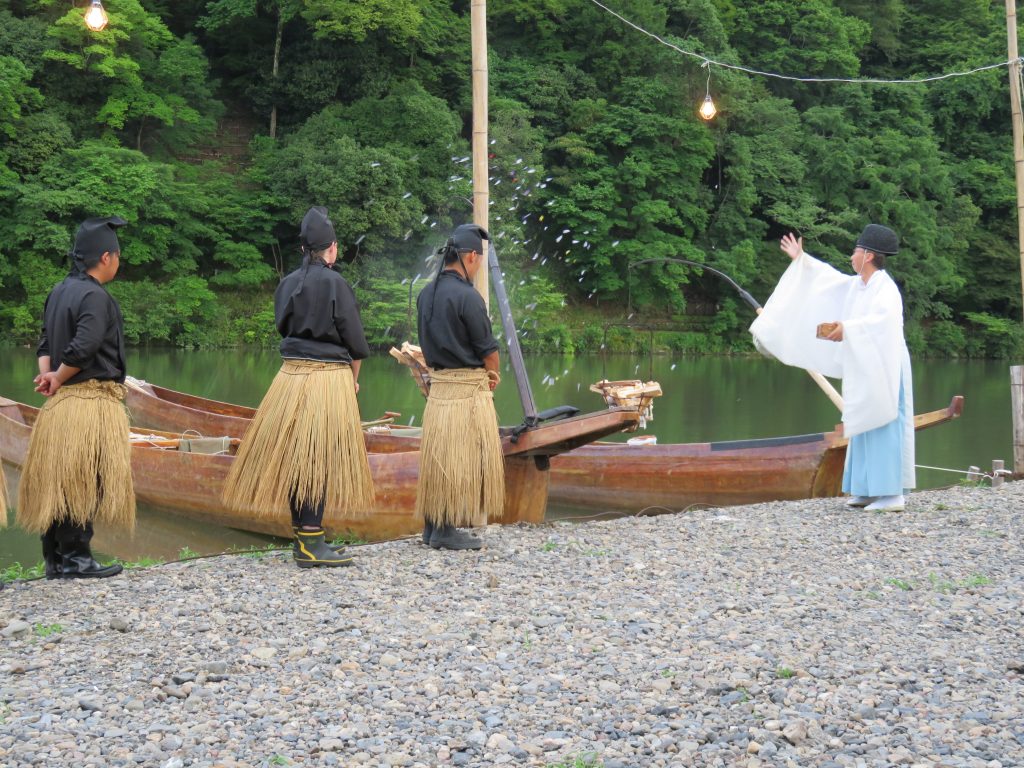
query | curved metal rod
(821,381)
(754,304)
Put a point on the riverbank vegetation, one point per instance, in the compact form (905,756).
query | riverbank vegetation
(211,125)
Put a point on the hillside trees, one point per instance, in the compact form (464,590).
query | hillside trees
(212,125)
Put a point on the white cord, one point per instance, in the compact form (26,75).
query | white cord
(750,71)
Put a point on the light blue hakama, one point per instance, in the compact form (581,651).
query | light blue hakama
(874,459)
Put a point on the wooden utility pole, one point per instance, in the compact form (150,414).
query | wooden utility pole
(1017,414)
(481,196)
(1018,125)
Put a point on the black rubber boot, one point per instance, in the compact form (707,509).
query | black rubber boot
(310,551)
(450,537)
(428,531)
(335,547)
(76,556)
(51,553)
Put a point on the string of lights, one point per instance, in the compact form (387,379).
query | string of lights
(707,60)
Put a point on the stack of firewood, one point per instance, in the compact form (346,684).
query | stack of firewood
(631,393)
(412,356)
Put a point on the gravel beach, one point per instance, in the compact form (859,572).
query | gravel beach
(782,634)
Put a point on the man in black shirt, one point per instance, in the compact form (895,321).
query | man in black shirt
(78,469)
(304,450)
(462,478)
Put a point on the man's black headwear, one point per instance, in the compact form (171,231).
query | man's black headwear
(315,235)
(466,237)
(469,237)
(94,238)
(317,232)
(879,239)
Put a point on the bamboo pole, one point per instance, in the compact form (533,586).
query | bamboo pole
(1018,126)
(481,196)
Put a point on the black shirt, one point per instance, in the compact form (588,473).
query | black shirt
(83,327)
(454,329)
(321,320)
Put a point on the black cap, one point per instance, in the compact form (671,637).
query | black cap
(317,231)
(96,237)
(879,239)
(469,237)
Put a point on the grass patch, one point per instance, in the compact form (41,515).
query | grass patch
(18,571)
(279,760)
(549,546)
(784,673)
(975,580)
(990,534)
(669,672)
(872,595)
(45,630)
(187,553)
(945,586)
(940,585)
(906,586)
(585,760)
(253,552)
(348,539)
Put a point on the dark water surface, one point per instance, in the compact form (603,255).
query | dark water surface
(705,399)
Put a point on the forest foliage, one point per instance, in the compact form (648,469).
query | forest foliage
(212,125)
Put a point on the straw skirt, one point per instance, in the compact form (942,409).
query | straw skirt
(305,443)
(462,470)
(79,463)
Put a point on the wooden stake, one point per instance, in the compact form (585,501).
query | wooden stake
(481,195)
(1018,130)
(997,473)
(1017,406)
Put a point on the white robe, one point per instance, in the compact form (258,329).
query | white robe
(870,359)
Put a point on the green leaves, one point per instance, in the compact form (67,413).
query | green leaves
(598,160)
(355,19)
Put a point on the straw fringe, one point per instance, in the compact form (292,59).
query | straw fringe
(79,463)
(462,469)
(306,439)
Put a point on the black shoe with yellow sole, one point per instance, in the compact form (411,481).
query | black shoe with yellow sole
(311,551)
(335,547)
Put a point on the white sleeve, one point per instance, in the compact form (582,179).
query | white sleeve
(809,292)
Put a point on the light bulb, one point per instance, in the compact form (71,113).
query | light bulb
(707,109)
(96,17)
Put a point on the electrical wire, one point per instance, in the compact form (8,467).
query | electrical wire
(750,71)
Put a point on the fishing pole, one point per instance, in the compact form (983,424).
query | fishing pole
(821,381)
(754,304)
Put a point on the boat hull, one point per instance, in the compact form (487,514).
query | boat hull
(191,484)
(614,476)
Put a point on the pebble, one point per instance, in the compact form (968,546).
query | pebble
(779,634)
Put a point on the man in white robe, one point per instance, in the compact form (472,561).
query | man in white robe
(866,349)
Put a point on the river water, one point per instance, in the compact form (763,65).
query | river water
(705,399)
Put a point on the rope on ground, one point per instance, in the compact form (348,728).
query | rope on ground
(978,473)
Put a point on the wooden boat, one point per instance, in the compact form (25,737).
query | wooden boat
(607,476)
(672,477)
(191,483)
